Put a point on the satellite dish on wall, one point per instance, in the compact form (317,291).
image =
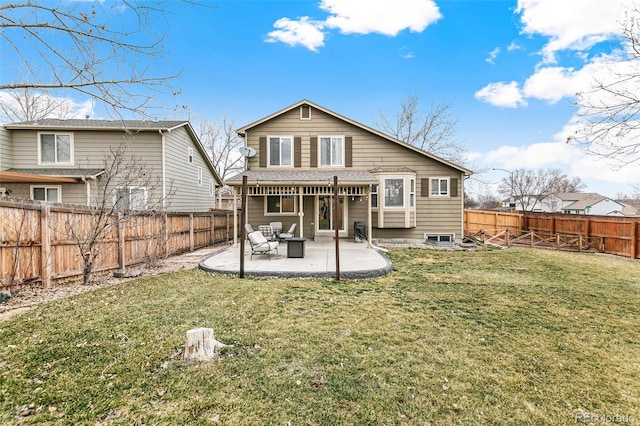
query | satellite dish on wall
(247,151)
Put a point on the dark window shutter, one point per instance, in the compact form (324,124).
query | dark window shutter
(424,187)
(348,147)
(297,152)
(453,191)
(314,151)
(263,151)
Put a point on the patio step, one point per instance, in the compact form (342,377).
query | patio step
(323,239)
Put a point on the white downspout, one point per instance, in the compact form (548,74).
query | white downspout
(164,177)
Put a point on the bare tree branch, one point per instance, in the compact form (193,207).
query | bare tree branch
(91,48)
(433,131)
(609,115)
(222,143)
(529,187)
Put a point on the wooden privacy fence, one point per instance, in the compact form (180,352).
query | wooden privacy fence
(37,246)
(614,235)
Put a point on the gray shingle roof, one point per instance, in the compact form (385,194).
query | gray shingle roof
(60,172)
(304,176)
(97,124)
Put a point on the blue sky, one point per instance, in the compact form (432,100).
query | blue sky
(509,69)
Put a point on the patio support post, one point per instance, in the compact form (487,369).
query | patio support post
(336,225)
(369,218)
(235,219)
(242,222)
(301,212)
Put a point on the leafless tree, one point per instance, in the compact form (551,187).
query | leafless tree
(222,143)
(27,104)
(530,187)
(433,131)
(124,186)
(609,112)
(96,49)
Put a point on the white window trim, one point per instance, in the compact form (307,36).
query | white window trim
(129,189)
(440,178)
(412,193)
(439,235)
(268,213)
(375,190)
(269,137)
(200,180)
(190,155)
(58,187)
(55,163)
(212,187)
(320,137)
(404,193)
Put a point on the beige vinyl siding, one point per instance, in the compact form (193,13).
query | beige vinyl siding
(182,176)
(433,215)
(6,154)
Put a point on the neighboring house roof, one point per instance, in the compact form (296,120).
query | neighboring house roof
(358,177)
(87,124)
(242,131)
(130,126)
(581,200)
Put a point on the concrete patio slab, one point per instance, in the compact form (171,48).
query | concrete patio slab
(356,261)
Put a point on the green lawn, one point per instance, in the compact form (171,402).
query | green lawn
(514,336)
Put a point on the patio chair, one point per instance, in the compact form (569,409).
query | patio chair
(277,228)
(260,245)
(290,233)
(248,229)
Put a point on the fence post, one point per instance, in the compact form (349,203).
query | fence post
(191,233)
(45,245)
(212,238)
(121,243)
(634,239)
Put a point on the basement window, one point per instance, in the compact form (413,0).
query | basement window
(439,239)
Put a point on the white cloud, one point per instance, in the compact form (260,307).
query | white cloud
(501,94)
(571,24)
(599,175)
(535,156)
(380,16)
(303,31)
(356,17)
(513,46)
(493,55)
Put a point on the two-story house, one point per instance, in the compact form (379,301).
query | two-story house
(59,161)
(398,190)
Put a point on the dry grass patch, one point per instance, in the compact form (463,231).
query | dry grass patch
(486,337)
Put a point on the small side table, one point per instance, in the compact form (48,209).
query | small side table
(295,247)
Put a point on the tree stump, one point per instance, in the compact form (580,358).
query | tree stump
(202,346)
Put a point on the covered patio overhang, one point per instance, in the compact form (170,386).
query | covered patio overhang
(48,175)
(303,183)
(55,176)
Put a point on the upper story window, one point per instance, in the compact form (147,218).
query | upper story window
(331,151)
(439,187)
(199,176)
(55,148)
(280,151)
(190,155)
(305,112)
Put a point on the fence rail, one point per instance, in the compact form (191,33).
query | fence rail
(614,235)
(36,245)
